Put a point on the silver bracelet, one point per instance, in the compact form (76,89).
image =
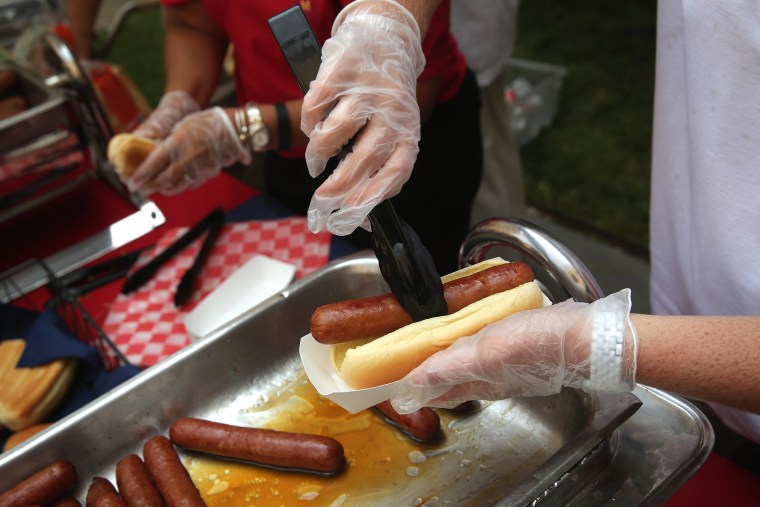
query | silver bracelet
(258,133)
(243,129)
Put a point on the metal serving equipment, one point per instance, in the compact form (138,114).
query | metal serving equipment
(573,448)
(64,120)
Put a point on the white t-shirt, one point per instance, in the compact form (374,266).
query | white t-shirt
(705,219)
(485,32)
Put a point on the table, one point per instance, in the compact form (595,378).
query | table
(718,482)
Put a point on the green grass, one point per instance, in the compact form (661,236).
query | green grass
(592,166)
(138,50)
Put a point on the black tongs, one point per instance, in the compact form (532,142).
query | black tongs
(212,225)
(405,263)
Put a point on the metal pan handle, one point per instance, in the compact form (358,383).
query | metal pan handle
(561,264)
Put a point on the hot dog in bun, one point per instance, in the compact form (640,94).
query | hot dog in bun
(476,296)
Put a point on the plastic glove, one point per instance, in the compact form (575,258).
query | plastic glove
(532,353)
(172,108)
(367,83)
(196,150)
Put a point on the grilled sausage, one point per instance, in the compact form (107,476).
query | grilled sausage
(278,449)
(7,80)
(371,317)
(66,501)
(11,106)
(41,487)
(101,493)
(135,484)
(170,475)
(423,425)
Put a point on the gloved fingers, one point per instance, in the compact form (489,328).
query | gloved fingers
(182,173)
(343,207)
(330,135)
(153,164)
(171,109)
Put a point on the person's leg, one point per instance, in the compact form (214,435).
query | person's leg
(437,199)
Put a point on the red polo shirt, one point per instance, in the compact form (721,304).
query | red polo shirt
(262,75)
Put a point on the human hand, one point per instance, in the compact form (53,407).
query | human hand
(531,353)
(365,90)
(196,150)
(172,107)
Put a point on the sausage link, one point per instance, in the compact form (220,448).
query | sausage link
(42,487)
(66,501)
(135,484)
(357,319)
(101,493)
(423,425)
(278,449)
(170,475)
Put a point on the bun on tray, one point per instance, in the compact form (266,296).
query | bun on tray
(127,151)
(28,395)
(368,363)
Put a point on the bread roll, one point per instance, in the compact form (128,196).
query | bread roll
(369,363)
(22,435)
(28,395)
(127,151)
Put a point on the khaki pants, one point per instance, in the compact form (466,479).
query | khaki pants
(501,192)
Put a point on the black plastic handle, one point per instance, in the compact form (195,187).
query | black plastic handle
(405,263)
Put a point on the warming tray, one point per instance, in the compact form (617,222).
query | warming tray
(513,452)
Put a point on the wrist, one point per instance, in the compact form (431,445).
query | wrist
(251,130)
(394,19)
(613,345)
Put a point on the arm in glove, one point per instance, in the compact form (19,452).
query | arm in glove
(171,109)
(196,150)
(365,90)
(532,353)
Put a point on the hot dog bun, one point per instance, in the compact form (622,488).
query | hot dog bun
(29,395)
(369,363)
(127,151)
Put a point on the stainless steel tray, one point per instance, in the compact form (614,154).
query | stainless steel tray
(508,453)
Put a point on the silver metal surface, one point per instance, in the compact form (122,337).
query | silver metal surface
(517,448)
(24,278)
(564,267)
(64,116)
(660,446)
(43,127)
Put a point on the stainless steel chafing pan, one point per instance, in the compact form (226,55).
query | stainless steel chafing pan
(545,451)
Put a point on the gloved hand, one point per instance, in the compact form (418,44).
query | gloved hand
(532,353)
(172,107)
(196,150)
(366,90)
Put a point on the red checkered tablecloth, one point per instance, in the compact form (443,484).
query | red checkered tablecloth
(147,327)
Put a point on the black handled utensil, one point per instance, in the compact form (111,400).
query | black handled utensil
(186,286)
(145,273)
(405,263)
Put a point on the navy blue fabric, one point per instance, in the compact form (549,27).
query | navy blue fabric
(47,338)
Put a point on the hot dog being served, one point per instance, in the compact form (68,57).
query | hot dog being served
(374,341)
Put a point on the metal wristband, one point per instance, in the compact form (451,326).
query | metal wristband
(243,129)
(258,133)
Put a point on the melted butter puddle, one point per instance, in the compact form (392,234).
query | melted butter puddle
(380,458)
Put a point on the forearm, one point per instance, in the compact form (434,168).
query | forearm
(707,358)
(194,50)
(82,15)
(422,10)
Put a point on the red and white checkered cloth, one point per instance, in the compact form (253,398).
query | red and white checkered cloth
(147,327)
